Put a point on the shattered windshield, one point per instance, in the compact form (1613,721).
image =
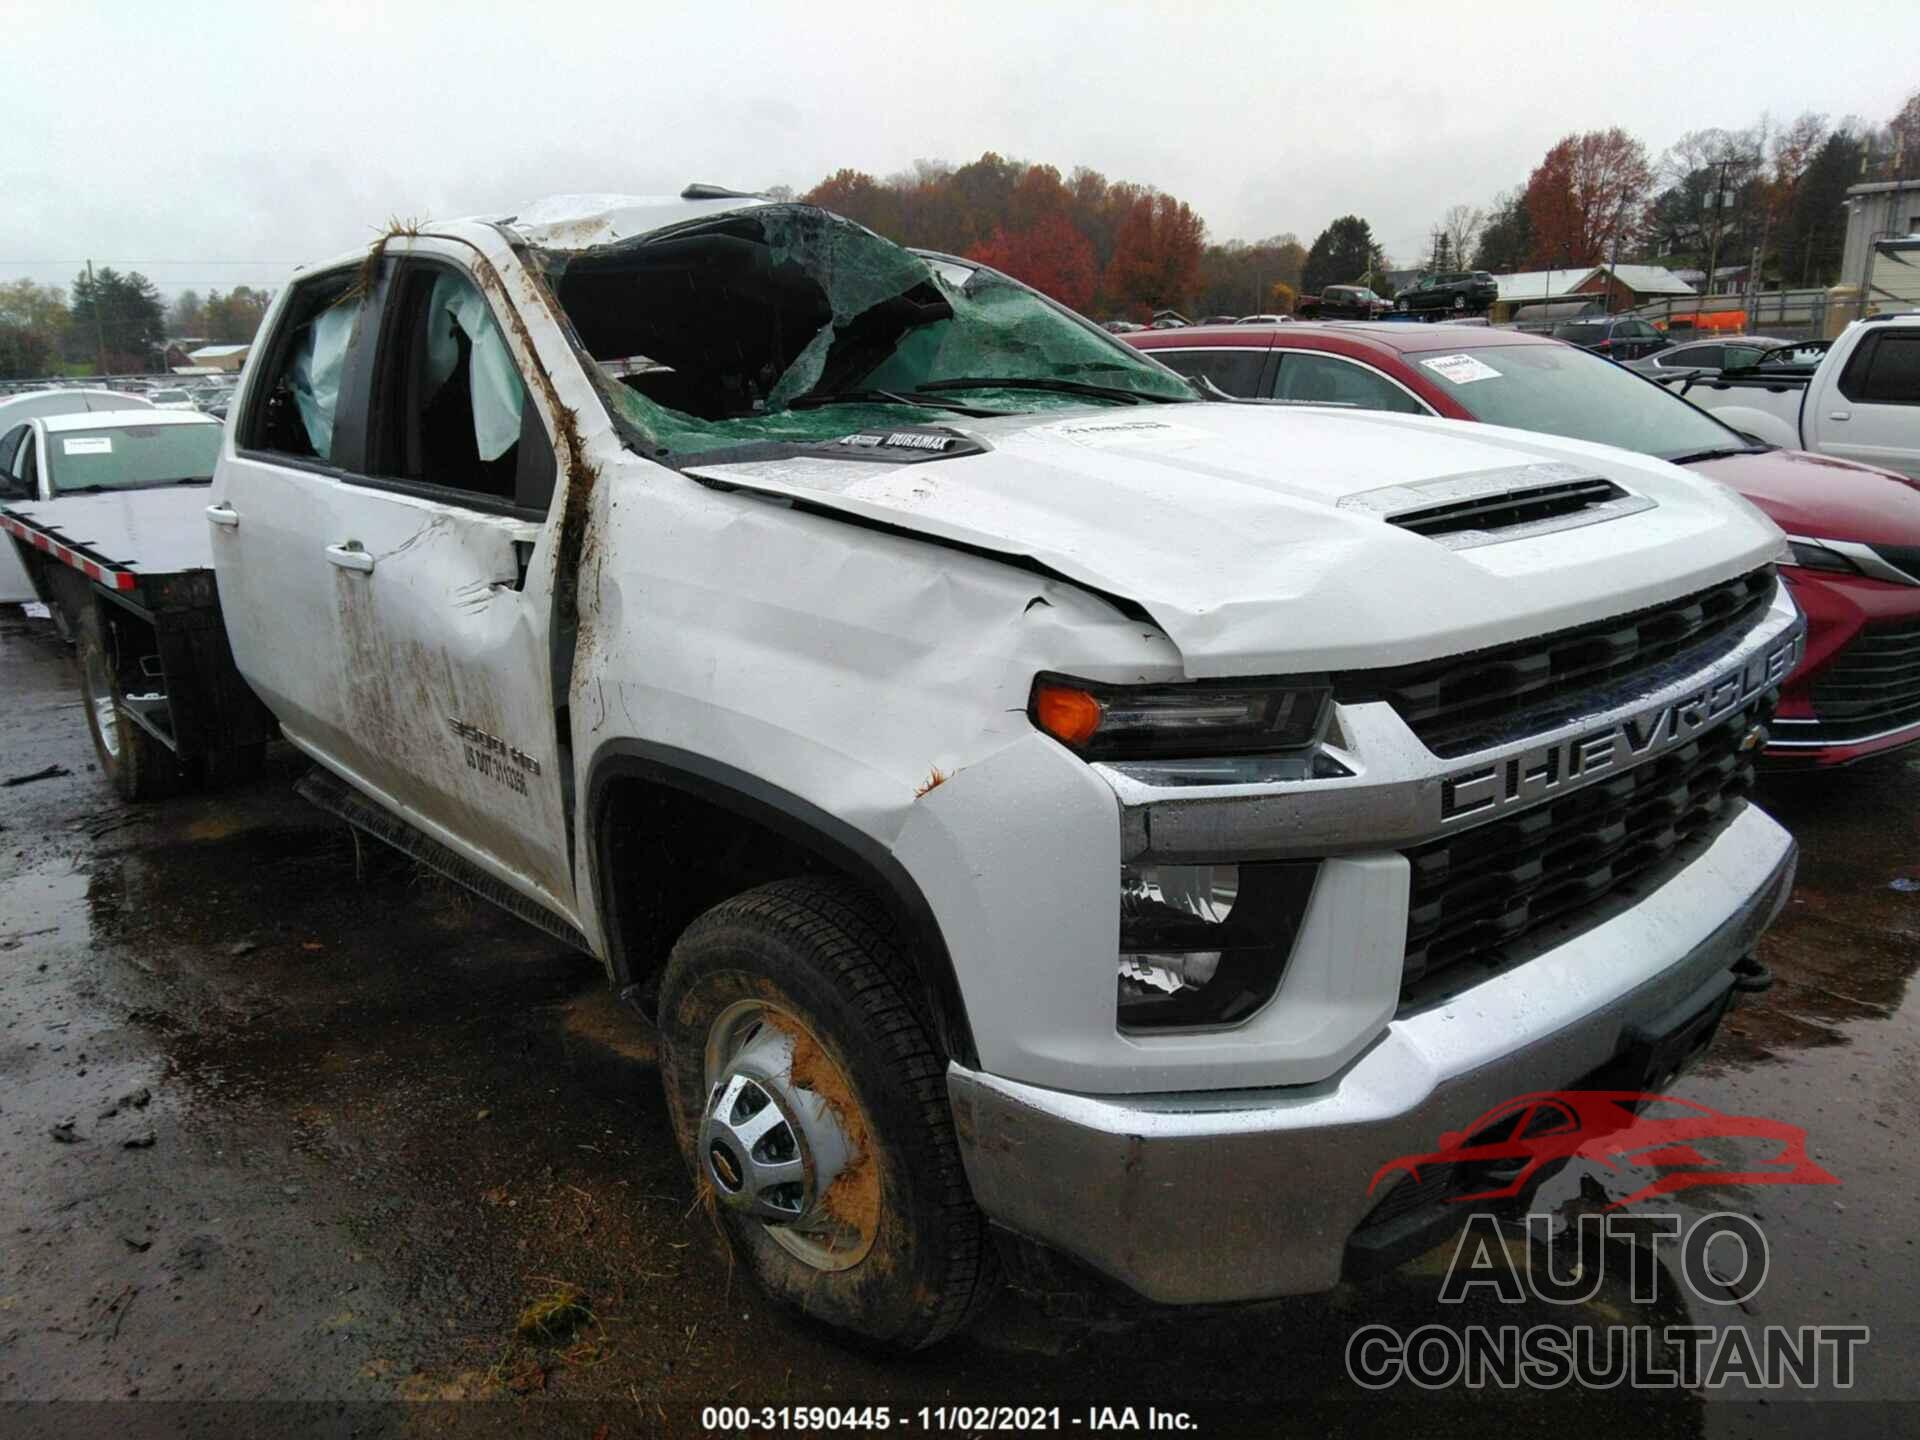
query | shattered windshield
(788,324)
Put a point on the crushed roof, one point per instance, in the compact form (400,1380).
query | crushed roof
(578,222)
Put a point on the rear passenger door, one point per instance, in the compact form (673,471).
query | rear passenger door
(1872,414)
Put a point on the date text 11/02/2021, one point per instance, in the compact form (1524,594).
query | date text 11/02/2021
(971,1419)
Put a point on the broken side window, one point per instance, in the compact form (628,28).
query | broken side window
(450,409)
(786,323)
(305,360)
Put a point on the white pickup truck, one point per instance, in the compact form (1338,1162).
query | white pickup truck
(1046,814)
(1861,403)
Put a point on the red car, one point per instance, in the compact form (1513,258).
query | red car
(1855,530)
(1616,1129)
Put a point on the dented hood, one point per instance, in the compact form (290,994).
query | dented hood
(1226,524)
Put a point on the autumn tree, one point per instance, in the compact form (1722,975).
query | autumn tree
(1584,195)
(234,318)
(1003,207)
(858,196)
(33,318)
(1903,131)
(1342,254)
(1236,277)
(1156,253)
(1050,255)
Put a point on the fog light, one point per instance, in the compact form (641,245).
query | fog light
(1206,945)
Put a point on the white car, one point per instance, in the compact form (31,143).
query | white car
(1017,788)
(1264,320)
(50,457)
(171,398)
(15,588)
(1861,403)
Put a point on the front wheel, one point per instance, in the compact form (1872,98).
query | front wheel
(810,1102)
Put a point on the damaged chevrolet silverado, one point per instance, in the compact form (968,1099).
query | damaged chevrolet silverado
(1057,824)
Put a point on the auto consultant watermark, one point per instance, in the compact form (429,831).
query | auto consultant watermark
(1721,1259)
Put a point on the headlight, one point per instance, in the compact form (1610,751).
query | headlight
(1206,945)
(1181,721)
(1812,555)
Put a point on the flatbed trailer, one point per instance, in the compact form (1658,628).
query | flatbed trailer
(128,577)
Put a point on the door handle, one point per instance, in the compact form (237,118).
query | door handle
(350,556)
(223,515)
(1839,414)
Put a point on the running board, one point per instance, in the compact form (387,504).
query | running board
(332,794)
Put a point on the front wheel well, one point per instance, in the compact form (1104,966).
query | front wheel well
(674,834)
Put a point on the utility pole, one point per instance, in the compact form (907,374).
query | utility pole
(99,328)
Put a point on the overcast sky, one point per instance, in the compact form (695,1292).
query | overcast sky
(182,138)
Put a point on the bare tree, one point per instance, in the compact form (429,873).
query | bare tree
(1713,181)
(1463,224)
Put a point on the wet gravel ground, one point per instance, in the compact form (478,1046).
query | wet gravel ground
(291,1132)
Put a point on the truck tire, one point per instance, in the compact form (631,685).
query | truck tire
(138,766)
(811,1105)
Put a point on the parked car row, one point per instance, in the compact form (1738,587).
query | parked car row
(1045,809)
(1854,526)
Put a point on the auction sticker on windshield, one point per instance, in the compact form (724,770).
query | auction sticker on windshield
(88,445)
(1461,369)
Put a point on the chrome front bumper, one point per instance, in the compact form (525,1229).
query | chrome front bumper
(1236,1195)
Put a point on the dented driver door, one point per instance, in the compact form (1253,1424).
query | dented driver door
(442,578)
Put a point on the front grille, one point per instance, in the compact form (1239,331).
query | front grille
(1870,687)
(1479,891)
(1526,506)
(1466,702)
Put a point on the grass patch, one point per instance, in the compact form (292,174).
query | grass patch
(554,1317)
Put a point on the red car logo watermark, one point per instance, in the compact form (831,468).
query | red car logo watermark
(1615,1129)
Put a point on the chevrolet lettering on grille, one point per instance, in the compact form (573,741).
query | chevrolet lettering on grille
(1533,775)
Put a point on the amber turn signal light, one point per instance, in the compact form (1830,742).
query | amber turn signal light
(1069,715)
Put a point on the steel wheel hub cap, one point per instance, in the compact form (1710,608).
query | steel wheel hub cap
(770,1147)
(100,697)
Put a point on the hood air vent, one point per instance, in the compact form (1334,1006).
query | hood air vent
(1515,507)
(1489,506)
